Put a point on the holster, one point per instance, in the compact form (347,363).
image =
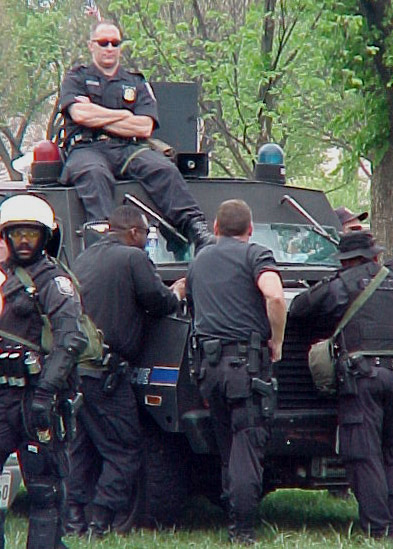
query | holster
(268,392)
(117,366)
(260,369)
(68,410)
(346,373)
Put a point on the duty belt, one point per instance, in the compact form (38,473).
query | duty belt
(228,349)
(81,139)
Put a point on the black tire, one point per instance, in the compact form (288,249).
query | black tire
(163,484)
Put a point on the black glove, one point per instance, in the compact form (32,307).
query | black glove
(41,409)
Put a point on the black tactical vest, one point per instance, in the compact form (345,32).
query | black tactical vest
(372,326)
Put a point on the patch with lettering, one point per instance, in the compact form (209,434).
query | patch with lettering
(92,83)
(64,285)
(129,94)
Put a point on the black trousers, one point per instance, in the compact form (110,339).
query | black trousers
(93,168)
(241,433)
(105,456)
(366,446)
(44,466)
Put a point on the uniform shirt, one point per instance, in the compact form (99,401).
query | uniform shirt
(222,290)
(124,90)
(119,285)
(57,298)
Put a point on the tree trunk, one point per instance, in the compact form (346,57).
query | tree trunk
(382,201)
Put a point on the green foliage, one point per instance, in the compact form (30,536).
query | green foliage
(312,89)
(305,74)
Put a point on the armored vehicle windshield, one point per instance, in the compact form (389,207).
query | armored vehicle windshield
(291,244)
(296,244)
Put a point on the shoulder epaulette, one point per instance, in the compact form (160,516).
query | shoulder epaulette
(134,72)
(77,68)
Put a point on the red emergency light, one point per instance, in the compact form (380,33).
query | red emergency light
(47,163)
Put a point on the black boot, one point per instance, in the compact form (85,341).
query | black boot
(199,234)
(76,521)
(241,531)
(101,520)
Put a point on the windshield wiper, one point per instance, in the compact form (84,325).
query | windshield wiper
(316,227)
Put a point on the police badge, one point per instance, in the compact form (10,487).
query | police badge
(129,94)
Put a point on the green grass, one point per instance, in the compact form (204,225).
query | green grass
(290,519)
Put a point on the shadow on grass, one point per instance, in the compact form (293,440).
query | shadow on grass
(284,509)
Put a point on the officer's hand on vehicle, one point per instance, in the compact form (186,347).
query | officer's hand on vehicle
(41,409)
(179,288)
(276,350)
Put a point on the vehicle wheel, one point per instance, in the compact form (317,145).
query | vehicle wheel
(163,484)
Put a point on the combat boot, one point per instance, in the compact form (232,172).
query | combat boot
(198,233)
(76,521)
(240,532)
(100,525)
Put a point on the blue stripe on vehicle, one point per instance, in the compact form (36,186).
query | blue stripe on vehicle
(164,376)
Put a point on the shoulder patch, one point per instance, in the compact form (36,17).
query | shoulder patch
(64,285)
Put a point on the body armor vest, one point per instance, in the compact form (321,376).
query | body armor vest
(372,326)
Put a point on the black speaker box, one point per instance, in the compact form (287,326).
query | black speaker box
(178,114)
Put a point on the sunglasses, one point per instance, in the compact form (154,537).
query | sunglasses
(105,43)
(18,234)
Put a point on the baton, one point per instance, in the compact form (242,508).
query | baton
(151,212)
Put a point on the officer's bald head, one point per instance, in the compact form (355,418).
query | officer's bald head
(234,218)
(103,22)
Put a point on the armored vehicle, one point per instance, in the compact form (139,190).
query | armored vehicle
(180,455)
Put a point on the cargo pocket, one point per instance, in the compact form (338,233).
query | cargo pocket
(237,382)
(353,438)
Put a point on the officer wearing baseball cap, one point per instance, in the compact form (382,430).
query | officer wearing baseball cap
(349,220)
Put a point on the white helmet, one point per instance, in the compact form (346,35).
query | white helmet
(26,208)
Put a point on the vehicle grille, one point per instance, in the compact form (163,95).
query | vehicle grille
(296,389)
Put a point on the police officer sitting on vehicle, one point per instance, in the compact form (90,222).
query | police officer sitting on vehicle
(109,112)
(365,377)
(236,298)
(119,287)
(35,385)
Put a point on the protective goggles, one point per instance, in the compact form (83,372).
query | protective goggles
(18,233)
